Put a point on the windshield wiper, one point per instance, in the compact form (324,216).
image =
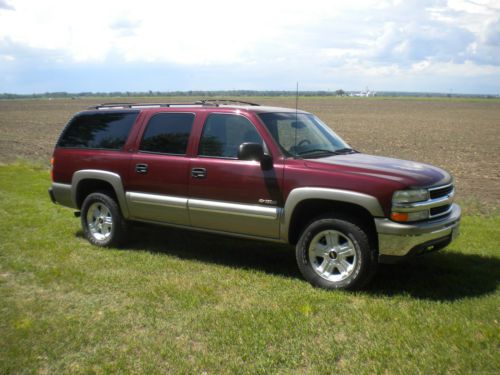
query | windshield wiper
(317,152)
(346,150)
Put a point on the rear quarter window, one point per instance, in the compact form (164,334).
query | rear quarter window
(98,130)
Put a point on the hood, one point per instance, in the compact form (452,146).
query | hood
(408,173)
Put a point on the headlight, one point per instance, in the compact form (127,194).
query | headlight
(402,208)
(410,196)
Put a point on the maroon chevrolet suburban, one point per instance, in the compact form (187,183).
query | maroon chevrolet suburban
(241,169)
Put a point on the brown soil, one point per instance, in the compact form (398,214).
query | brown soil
(461,136)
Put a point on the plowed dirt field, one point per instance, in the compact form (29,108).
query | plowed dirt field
(461,136)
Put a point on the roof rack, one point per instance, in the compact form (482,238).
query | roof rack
(139,105)
(205,102)
(219,101)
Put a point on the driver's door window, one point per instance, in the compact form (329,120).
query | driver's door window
(223,134)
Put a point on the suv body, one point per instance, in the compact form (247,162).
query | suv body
(266,173)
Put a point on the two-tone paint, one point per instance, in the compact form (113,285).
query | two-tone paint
(240,197)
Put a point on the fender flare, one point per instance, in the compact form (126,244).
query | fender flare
(112,178)
(298,195)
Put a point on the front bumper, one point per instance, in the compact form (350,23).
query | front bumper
(397,240)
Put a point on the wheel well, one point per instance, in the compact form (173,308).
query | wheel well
(88,186)
(310,209)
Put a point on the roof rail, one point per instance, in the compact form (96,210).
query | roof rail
(139,105)
(204,102)
(221,101)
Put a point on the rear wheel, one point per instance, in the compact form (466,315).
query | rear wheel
(335,253)
(102,221)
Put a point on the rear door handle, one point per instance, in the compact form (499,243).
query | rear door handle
(141,168)
(199,172)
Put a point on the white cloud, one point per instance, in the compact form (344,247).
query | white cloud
(8,58)
(5,5)
(420,66)
(307,40)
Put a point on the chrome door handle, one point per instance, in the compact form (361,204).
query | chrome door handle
(141,168)
(199,172)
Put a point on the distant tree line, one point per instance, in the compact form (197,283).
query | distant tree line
(202,93)
(224,93)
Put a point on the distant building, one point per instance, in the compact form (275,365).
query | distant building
(365,92)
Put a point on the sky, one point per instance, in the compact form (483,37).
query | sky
(447,46)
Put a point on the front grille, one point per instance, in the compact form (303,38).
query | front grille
(440,191)
(435,211)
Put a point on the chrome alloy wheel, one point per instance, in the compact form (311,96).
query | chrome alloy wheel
(99,221)
(332,255)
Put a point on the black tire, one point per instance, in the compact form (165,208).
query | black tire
(105,230)
(352,253)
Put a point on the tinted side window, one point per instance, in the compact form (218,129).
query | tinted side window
(223,134)
(168,133)
(98,130)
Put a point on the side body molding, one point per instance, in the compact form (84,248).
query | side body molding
(243,219)
(112,178)
(157,207)
(370,203)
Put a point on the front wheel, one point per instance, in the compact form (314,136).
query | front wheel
(102,221)
(335,253)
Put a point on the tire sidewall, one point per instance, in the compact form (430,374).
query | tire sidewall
(115,215)
(361,246)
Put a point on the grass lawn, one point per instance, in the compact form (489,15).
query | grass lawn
(183,302)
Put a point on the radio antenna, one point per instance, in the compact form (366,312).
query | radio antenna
(296,100)
(296,114)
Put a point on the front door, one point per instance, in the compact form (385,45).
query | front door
(231,195)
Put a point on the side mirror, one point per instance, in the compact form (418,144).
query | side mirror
(255,151)
(250,151)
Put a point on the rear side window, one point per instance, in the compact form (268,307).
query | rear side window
(98,130)
(223,135)
(168,133)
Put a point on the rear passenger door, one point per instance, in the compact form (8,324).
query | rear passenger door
(227,194)
(158,178)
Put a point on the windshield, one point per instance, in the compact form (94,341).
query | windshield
(303,135)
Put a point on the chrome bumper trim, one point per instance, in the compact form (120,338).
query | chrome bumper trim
(397,239)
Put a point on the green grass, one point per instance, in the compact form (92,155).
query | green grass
(179,302)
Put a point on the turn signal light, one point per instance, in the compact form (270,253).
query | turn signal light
(410,216)
(399,216)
